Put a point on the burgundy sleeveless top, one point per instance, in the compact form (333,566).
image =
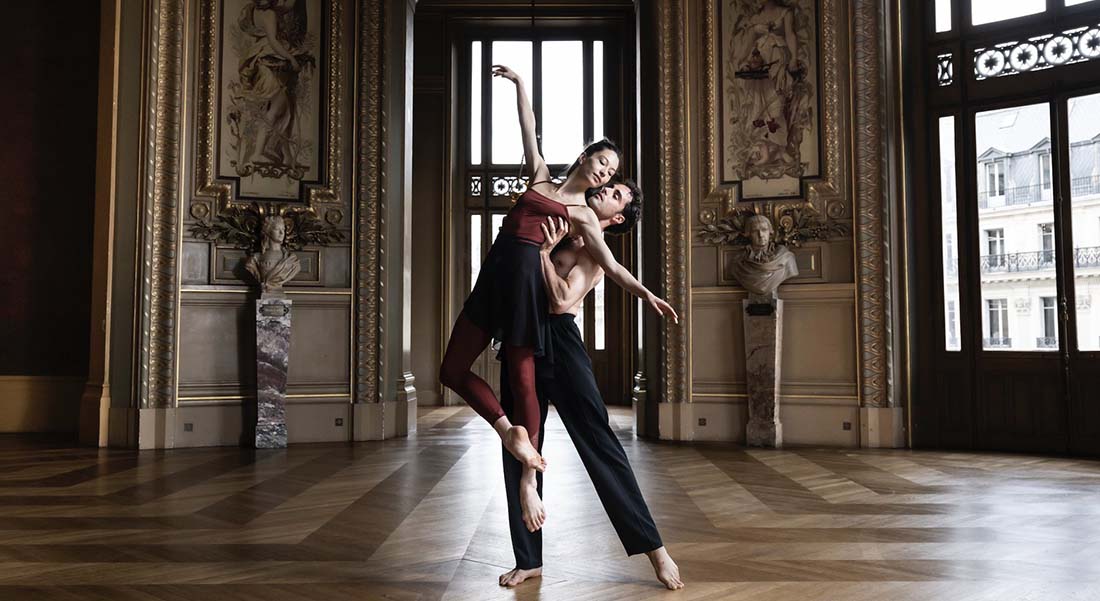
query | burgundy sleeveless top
(530,212)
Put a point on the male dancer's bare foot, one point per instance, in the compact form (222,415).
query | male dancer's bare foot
(519,444)
(665,568)
(534,513)
(516,575)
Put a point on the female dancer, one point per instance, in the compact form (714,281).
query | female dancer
(508,302)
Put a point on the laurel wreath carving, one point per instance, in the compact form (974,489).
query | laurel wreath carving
(240,226)
(796,225)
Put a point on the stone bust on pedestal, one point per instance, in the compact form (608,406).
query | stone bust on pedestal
(763,265)
(274,265)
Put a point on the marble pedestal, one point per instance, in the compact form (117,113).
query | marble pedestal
(272,361)
(763,321)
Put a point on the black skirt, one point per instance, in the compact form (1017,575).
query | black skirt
(509,299)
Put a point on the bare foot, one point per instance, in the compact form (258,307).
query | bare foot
(515,576)
(534,513)
(519,444)
(665,568)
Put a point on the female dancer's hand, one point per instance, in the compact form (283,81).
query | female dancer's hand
(506,73)
(552,232)
(662,308)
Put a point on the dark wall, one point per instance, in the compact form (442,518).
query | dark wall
(47,169)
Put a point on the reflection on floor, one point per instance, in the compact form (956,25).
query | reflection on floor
(423,518)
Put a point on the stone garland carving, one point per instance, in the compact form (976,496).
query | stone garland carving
(156,386)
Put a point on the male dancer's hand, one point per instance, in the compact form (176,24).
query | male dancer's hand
(552,233)
(662,308)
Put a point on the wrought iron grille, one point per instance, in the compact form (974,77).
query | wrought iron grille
(1036,53)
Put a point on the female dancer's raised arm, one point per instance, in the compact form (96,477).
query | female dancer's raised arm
(535,164)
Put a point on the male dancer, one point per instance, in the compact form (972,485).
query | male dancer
(565,377)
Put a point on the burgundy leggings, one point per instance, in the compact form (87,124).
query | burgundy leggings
(466,344)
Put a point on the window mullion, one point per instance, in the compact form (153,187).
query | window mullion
(536,91)
(588,86)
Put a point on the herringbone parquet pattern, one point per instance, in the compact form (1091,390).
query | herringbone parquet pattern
(423,518)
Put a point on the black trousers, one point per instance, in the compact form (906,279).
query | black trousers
(565,378)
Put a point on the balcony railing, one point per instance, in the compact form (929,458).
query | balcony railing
(996,343)
(1022,195)
(1046,342)
(1088,256)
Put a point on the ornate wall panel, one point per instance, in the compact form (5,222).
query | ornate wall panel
(827,189)
(246,150)
(850,189)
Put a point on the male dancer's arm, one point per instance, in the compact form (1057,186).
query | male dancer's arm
(565,292)
(588,226)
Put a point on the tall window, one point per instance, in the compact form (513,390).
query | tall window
(1045,172)
(998,324)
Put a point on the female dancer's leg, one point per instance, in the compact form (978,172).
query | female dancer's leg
(465,345)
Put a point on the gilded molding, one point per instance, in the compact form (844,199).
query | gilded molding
(368,207)
(675,232)
(872,210)
(163,107)
(207,186)
(827,195)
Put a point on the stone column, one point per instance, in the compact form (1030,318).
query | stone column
(272,361)
(763,324)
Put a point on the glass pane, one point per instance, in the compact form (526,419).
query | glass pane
(597,90)
(1017,270)
(949,225)
(943,15)
(579,319)
(475,103)
(598,310)
(498,220)
(562,101)
(475,248)
(1073,2)
(988,11)
(1084,193)
(507,145)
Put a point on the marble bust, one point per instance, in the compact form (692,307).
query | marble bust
(763,265)
(274,265)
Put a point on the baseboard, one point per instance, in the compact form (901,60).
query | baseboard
(40,403)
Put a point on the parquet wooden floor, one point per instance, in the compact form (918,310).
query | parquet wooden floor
(423,518)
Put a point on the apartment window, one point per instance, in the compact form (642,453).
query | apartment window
(995,247)
(995,178)
(1049,338)
(998,323)
(952,327)
(1045,172)
(1046,239)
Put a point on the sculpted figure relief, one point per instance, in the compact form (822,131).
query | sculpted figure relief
(274,265)
(763,265)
